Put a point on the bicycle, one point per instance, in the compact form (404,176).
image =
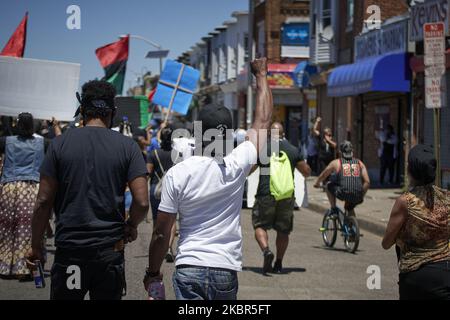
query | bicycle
(348,226)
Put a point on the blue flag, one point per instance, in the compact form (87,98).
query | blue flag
(176,86)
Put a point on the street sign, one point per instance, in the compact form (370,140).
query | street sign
(435,88)
(435,82)
(434,60)
(434,42)
(157,54)
(435,71)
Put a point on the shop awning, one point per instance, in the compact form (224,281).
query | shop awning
(385,73)
(302,74)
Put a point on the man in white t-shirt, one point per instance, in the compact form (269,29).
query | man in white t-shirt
(206,191)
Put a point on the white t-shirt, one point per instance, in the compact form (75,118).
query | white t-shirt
(208,197)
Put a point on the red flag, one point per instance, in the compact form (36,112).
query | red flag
(151,94)
(113,53)
(16,44)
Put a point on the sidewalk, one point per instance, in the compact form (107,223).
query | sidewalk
(373,214)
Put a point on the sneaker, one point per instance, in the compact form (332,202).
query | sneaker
(268,259)
(277,267)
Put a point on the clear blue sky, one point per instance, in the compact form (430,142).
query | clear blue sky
(175,24)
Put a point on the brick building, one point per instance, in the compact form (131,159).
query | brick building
(281,33)
(338,31)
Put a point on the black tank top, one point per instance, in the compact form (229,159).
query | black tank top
(350,180)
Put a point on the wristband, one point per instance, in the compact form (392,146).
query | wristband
(149,274)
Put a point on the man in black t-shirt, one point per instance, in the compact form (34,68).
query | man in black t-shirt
(268,213)
(326,145)
(83,177)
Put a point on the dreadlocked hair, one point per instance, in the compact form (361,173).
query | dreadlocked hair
(97,90)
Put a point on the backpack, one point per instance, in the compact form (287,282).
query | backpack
(158,187)
(281,179)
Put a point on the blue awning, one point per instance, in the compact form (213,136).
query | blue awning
(302,74)
(386,73)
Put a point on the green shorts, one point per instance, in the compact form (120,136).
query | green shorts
(268,213)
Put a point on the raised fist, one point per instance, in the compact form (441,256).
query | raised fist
(259,67)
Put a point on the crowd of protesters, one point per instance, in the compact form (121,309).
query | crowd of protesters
(102,183)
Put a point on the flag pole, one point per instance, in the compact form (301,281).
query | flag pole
(437,144)
(172,99)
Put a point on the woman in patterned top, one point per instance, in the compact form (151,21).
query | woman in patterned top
(419,226)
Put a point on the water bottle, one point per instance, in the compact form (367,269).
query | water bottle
(156,291)
(38,275)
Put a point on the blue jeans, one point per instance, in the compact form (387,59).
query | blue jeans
(203,283)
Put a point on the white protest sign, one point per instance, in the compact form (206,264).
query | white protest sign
(46,89)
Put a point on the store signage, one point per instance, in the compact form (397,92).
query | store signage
(435,82)
(295,40)
(281,76)
(391,38)
(427,12)
(296,34)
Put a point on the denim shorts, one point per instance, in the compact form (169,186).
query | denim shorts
(204,283)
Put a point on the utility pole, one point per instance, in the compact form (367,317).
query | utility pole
(250,59)
(152,43)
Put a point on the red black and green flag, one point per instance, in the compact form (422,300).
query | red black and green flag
(113,58)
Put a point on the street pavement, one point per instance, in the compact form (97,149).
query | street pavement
(312,271)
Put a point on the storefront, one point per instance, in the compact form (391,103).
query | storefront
(302,79)
(288,100)
(379,81)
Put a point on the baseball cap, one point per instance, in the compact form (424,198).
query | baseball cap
(215,116)
(346,149)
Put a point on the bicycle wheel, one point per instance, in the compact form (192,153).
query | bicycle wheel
(351,237)
(329,229)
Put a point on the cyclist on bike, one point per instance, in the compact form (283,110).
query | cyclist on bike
(349,180)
